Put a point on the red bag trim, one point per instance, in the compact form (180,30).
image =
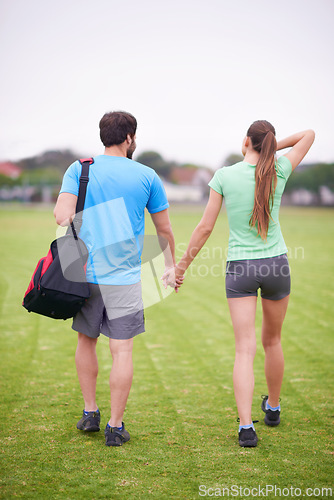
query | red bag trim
(31,284)
(82,160)
(47,262)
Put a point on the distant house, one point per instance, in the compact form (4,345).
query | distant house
(188,184)
(181,193)
(190,176)
(303,197)
(9,169)
(326,196)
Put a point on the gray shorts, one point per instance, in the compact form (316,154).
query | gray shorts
(116,311)
(271,275)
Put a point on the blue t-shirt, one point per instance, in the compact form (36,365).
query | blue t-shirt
(113,225)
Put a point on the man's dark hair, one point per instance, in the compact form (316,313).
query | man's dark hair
(115,126)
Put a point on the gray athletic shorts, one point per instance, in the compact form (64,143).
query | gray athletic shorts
(116,311)
(245,277)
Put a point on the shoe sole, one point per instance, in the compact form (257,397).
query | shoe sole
(119,442)
(94,428)
(248,444)
(271,423)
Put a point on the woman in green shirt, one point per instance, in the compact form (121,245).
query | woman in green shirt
(256,259)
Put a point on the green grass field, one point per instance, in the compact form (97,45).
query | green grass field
(181,412)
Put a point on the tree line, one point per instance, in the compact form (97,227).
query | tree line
(48,169)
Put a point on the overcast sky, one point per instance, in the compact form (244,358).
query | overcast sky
(195,73)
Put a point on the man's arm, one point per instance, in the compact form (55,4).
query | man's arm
(64,210)
(165,234)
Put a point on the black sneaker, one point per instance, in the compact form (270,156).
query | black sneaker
(248,438)
(115,437)
(90,421)
(272,417)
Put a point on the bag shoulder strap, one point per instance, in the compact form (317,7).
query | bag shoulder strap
(83,181)
(84,178)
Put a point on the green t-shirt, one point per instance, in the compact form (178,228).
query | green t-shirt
(237,185)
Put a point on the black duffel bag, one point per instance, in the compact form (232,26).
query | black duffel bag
(58,287)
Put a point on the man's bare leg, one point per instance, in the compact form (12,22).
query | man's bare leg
(120,378)
(87,369)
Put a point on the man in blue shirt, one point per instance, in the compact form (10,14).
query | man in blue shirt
(118,191)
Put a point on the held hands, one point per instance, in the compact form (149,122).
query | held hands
(173,276)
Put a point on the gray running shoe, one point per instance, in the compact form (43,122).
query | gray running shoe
(272,417)
(248,438)
(115,437)
(90,421)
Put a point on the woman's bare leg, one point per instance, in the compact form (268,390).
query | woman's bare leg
(273,316)
(243,312)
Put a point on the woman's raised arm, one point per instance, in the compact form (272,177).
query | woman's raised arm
(300,144)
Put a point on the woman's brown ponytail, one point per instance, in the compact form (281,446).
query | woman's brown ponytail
(262,135)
